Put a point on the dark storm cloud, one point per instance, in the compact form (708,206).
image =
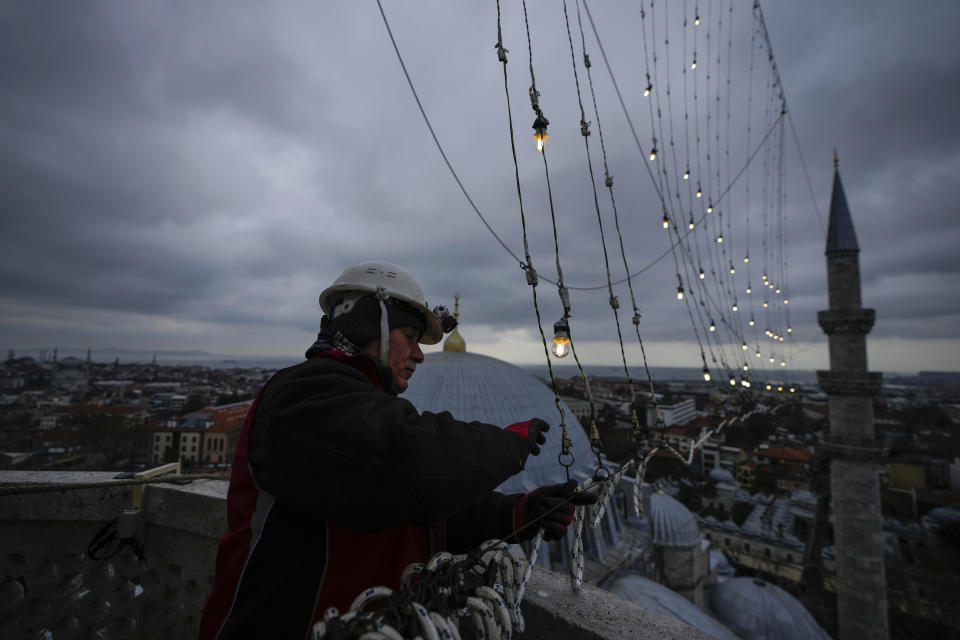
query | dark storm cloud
(203,170)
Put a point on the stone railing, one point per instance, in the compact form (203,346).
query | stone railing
(51,583)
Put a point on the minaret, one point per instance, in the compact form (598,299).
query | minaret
(455,341)
(853,451)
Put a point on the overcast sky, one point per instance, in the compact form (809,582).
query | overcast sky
(179,175)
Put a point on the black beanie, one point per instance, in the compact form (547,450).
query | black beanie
(361,325)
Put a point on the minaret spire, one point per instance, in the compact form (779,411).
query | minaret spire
(854,453)
(455,341)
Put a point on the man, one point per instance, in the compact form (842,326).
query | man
(338,484)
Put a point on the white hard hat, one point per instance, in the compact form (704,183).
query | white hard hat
(389,280)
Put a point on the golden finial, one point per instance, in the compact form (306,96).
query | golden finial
(455,341)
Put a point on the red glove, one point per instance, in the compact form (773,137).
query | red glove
(531,431)
(550,508)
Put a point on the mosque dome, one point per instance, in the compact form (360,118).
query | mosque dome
(652,595)
(672,523)
(722,476)
(755,610)
(476,387)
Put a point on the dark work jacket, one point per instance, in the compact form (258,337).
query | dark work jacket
(337,486)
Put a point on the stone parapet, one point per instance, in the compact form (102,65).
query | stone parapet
(50,583)
(846,321)
(850,383)
(853,449)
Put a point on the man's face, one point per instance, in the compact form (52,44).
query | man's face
(405,355)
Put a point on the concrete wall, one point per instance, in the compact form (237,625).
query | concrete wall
(49,581)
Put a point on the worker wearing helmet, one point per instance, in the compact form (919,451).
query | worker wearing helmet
(338,484)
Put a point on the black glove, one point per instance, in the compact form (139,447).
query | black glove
(532,431)
(550,508)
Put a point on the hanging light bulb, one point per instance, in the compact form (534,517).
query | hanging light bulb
(735,306)
(770,286)
(783,363)
(653,152)
(720,239)
(702,274)
(759,354)
(745,382)
(686,174)
(779,388)
(696,20)
(691,224)
(751,321)
(763,276)
(648,90)
(781,338)
(680,292)
(765,305)
(706,373)
(793,389)
(710,208)
(699,191)
(693,65)
(561,338)
(749,289)
(746,367)
(769,387)
(743,346)
(733,381)
(789,329)
(713,326)
(772,360)
(746,258)
(540,132)
(666,221)
(778,289)
(786,301)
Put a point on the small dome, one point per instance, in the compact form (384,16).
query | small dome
(719,475)
(757,610)
(652,595)
(673,524)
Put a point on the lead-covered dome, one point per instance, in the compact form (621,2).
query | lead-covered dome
(757,610)
(672,523)
(476,387)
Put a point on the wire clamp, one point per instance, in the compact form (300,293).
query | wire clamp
(584,128)
(608,181)
(614,303)
(501,52)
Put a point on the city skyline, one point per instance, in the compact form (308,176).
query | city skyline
(180,179)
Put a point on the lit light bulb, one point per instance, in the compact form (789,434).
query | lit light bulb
(680,292)
(758,354)
(693,65)
(699,192)
(751,321)
(746,258)
(720,239)
(686,174)
(749,289)
(746,367)
(786,301)
(763,276)
(706,373)
(772,360)
(710,208)
(781,338)
(778,289)
(696,20)
(765,305)
(770,286)
(702,274)
(666,222)
(793,389)
(653,153)
(733,381)
(743,346)
(769,387)
(540,132)
(648,90)
(732,270)
(745,382)
(779,388)
(561,338)
(783,363)
(713,326)
(735,307)
(691,223)
(789,329)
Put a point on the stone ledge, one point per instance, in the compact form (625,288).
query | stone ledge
(182,524)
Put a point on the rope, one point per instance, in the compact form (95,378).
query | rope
(24,489)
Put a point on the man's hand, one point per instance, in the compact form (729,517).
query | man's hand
(532,431)
(550,508)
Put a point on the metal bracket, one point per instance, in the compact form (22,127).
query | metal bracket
(162,470)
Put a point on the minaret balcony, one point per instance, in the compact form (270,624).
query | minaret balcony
(846,321)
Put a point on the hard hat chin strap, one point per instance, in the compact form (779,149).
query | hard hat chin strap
(384,352)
